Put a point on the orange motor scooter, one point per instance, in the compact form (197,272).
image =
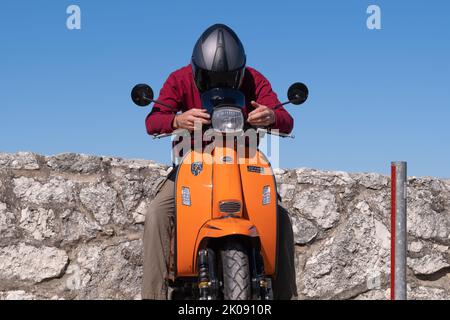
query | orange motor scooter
(226,206)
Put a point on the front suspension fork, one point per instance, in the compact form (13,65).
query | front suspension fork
(261,285)
(208,282)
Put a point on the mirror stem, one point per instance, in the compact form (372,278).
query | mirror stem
(280,105)
(156,101)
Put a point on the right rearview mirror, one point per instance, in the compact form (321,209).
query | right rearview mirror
(142,95)
(297,93)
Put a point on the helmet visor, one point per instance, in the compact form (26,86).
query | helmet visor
(206,80)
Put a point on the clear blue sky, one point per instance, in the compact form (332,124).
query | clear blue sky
(375,96)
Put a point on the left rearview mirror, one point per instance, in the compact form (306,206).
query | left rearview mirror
(142,95)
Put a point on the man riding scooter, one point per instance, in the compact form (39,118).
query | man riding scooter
(218,60)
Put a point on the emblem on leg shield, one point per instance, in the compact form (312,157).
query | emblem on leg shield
(196,168)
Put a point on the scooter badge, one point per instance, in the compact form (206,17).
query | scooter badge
(196,168)
(227,159)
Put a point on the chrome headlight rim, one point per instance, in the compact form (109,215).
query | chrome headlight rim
(237,110)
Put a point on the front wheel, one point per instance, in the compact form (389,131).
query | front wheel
(236,272)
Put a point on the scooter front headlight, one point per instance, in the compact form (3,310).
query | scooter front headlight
(227,119)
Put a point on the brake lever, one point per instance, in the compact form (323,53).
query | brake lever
(160,136)
(173,133)
(279,134)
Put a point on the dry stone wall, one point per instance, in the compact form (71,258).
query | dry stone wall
(71,227)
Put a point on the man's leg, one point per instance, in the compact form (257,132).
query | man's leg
(159,222)
(285,287)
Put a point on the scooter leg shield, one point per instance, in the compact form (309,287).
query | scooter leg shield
(260,199)
(193,197)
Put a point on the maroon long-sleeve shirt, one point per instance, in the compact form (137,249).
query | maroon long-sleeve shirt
(180,92)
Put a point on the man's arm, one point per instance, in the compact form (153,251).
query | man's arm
(160,119)
(264,114)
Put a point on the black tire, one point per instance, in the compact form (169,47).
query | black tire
(236,272)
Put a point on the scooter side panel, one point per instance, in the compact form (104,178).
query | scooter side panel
(256,175)
(195,173)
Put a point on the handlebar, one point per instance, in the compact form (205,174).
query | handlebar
(258,131)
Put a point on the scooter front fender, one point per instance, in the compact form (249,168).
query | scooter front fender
(225,227)
(219,228)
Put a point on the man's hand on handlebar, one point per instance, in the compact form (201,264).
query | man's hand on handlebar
(262,116)
(187,119)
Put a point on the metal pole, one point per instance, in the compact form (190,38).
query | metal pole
(398,230)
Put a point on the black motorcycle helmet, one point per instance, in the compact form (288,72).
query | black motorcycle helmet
(218,59)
